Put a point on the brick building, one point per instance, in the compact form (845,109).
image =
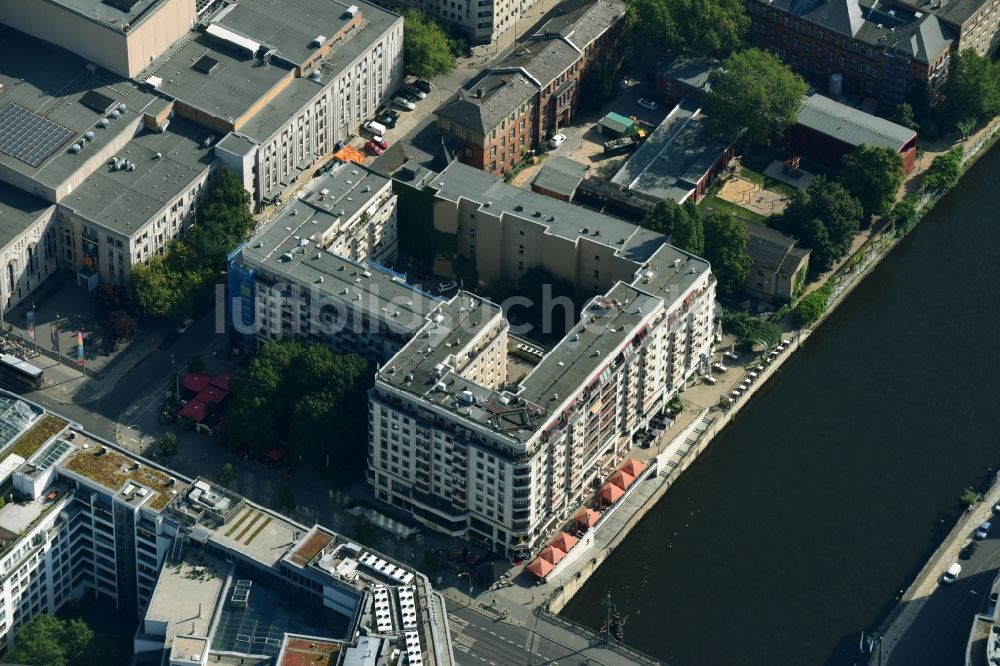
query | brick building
(535,91)
(856,48)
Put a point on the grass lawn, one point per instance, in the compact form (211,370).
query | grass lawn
(738,211)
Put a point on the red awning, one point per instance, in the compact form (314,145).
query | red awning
(552,554)
(610,493)
(213,395)
(634,467)
(564,541)
(540,567)
(221,380)
(195,382)
(275,454)
(587,517)
(621,479)
(194,410)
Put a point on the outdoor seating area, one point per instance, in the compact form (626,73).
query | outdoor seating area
(201,396)
(620,481)
(551,555)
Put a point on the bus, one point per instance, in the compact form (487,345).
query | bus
(12,366)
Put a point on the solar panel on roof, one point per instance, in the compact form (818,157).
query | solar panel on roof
(205,64)
(96,101)
(29,137)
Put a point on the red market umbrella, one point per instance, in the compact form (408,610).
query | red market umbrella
(221,380)
(213,395)
(541,568)
(564,541)
(634,467)
(275,454)
(552,554)
(610,493)
(194,410)
(621,479)
(587,517)
(194,382)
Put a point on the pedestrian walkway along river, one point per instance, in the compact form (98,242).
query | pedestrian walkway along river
(805,518)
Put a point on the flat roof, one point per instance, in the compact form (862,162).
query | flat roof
(124,200)
(287,246)
(678,153)
(16,517)
(563,219)
(112,12)
(185,598)
(18,211)
(57,86)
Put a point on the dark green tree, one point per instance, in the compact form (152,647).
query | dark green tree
(904,214)
(811,307)
(227,474)
(650,26)
(944,171)
(689,232)
(49,641)
(122,325)
(167,446)
(972,89)
(600,83)
(663,218)
(726,250)
(873,174)
(904,116)
(701,27)
(825,218)
(426,49)
(754,96)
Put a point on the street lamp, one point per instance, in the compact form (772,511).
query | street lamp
(34,328)
(470,585)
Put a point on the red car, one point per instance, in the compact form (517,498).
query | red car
(373,148)
(380,142)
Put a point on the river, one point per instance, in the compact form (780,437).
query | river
(805,518)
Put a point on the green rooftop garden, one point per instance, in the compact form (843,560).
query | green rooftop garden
(32,439)
(112,469)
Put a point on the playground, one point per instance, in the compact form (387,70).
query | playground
(753,197)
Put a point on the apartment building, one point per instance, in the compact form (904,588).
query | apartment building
(533,92)
(124,160)
(976,22)
(318,271)
(502,462)
(862,49)
(190,559)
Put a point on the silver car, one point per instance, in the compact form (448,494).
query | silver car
(403,103)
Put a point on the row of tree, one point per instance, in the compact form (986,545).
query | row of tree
(969,96)
(701,27)
(306,397)
(177,283)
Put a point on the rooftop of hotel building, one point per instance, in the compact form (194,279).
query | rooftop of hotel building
(563,219)
(51,98)
(165,165)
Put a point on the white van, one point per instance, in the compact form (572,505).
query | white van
(378,129)
(952,573)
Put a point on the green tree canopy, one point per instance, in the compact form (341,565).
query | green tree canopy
(754,97)
(825,218)
(689,232)
(945,170)
(873,174)
(301,395)
(811,307)
(664,217)
(972,89)
(703,27)
(726,250)
(167,446)
(122,325)
(50,641)
(426,49)
(904,116)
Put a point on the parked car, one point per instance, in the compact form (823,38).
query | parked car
(647,103)
(375,127)
(952,573)
(415,91)
(386,119)
(380,142)
(983,530)
(403,103)
(373,148)
(446,286)
(420,84)
(169,340)
(969,550)
(557,140)
(386,111)
(185,325)
(406,93)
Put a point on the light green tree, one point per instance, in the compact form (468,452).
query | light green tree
(426,51)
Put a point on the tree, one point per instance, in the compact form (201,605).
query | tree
(689,233)
(663,218)
(726,250)
(109,297)
(753,97)
(600,83)
(426,50)
(873,174)
(701,27)
(825,218)
(811,307)
(50,641)
(196,364)
(285,501)
(227,474)
(122,325)
(904,214)
(167,446)
(904,116)
(972,89)
(965,127)
(945,170)
(650,26)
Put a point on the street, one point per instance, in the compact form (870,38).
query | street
(939,633)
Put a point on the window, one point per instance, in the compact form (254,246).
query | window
(841,61)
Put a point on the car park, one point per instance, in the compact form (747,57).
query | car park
(952,573)
(415,92)
(983,530)
(447,285)
(647,103)
(373,148)
(969,550)
(403,103)
(425,86)
(557,140)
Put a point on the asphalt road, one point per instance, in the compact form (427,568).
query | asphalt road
(479,640)
(939,633)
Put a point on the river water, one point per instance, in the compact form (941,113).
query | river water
(805,518)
